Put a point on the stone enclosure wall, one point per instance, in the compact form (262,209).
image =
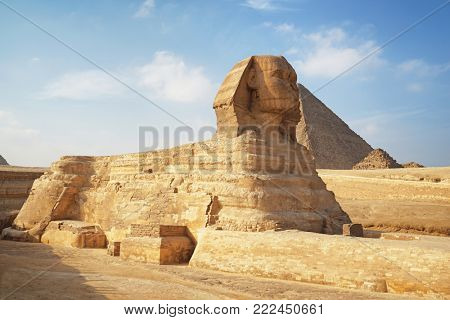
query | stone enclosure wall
(418,267)
(408,200)
(15,186)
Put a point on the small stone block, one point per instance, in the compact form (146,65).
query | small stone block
(353,230)
(114,249)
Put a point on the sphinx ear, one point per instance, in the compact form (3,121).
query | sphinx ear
(252,80)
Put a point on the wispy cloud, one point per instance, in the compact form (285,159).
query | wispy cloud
(84,85)
(285,27)
(145,9)
(11,128)
(282,27)
(327,53)
(168,77)
(421,68)
(265,5)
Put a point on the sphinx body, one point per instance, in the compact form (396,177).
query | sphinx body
(251,176)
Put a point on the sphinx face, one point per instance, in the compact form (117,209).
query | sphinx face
(275,83)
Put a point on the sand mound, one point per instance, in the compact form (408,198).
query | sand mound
(3,161)
(412,164)
(377,159)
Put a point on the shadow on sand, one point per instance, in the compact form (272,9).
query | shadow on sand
(36,271)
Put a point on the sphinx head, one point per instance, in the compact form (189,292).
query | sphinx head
(259,93)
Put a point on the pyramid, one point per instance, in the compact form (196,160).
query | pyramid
(333,144)
(3,161)
(412,164)
(377,159)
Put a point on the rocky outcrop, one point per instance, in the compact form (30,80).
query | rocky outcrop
(377,159)
(252,176)
(330,140)
(15,185)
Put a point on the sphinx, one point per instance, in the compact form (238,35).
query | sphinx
(252,175)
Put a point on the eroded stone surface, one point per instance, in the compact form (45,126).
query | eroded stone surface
(15,185)
(418,267)
(157,250)
(353,230)
(252,176)
(75,234)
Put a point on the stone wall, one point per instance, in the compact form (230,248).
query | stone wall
(418,267)
(15,186)
(244,184)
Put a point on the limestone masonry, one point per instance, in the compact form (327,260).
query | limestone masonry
(377,159)
(250,199)
(15,185)
(331,141)
(252,176)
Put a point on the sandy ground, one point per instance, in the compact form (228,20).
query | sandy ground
(38,271)
(413,200)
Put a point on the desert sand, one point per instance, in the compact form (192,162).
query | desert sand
(409,200)
(69,273)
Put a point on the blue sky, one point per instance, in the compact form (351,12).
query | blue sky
(54,103)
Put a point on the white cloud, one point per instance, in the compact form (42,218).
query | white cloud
(35,60)
(284,27)
(84,85)
(260,4)
(168,77)
(328,53)
(414,87)
(10,128)
(421,68)
(144,9)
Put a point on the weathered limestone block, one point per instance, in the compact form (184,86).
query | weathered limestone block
(76,234)
(114,248)
(418,267)
(15,185)
(16,235)
(251,176)
(52,196)
(353,230)
(161,250)
(7,218)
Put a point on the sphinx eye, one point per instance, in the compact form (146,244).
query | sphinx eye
(277,74)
